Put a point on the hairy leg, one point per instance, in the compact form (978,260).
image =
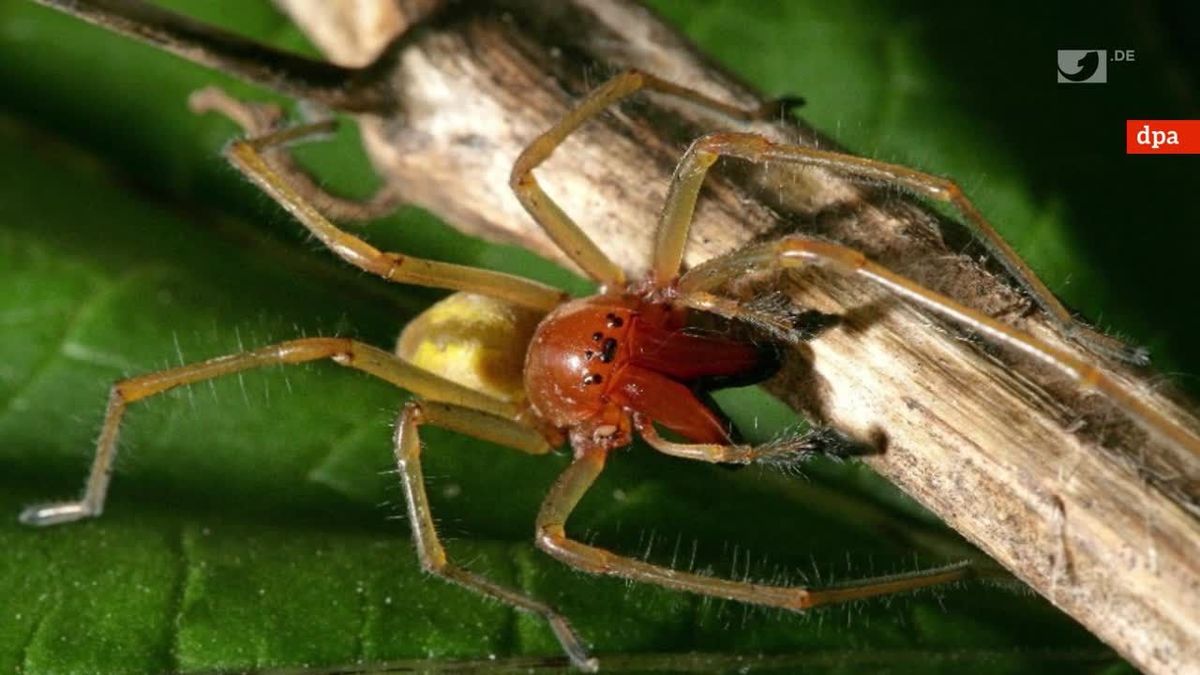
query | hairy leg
(262,119)
(786,450)
(557,224)
(357,355)
(579,476)
(429,547)
(676,218)
(790,252)
(348,89)
(247,156)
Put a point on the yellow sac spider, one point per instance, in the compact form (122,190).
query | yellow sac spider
(521,364)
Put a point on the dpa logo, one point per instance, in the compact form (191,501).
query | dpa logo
(1162,137)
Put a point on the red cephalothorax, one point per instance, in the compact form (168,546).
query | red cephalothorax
(594,362)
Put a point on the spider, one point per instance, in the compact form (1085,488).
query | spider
(591,371)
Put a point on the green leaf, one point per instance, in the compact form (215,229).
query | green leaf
(254,522)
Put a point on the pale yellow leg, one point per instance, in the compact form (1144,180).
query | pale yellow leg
(774,314)
(357,355)
(557,224)
(579,476)
(246,155)
(429,548)
(261,119)
(786,449)
(796,251)
(362,90)
(693,167)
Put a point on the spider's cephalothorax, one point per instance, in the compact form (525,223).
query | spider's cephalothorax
(595,362)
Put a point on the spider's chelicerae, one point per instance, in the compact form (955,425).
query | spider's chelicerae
(594,370)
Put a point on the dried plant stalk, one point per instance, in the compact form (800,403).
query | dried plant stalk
(1064,491)
(1068,495)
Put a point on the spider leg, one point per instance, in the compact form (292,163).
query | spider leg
(348,89)
(772,314)
(357,355)
(557,224)
(582,473)
(429,548)
(676,218)
(796,251)
(261,119)
(247,156)
(694,287)
(787,450)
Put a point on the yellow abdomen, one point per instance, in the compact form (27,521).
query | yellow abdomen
(476,341)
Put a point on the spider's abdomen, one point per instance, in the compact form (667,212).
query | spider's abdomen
(593,362)
(473,340)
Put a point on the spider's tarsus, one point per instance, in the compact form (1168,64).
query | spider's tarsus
(1136,355)
(1109,346)
(776,315)
(44,515)
(791,448)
